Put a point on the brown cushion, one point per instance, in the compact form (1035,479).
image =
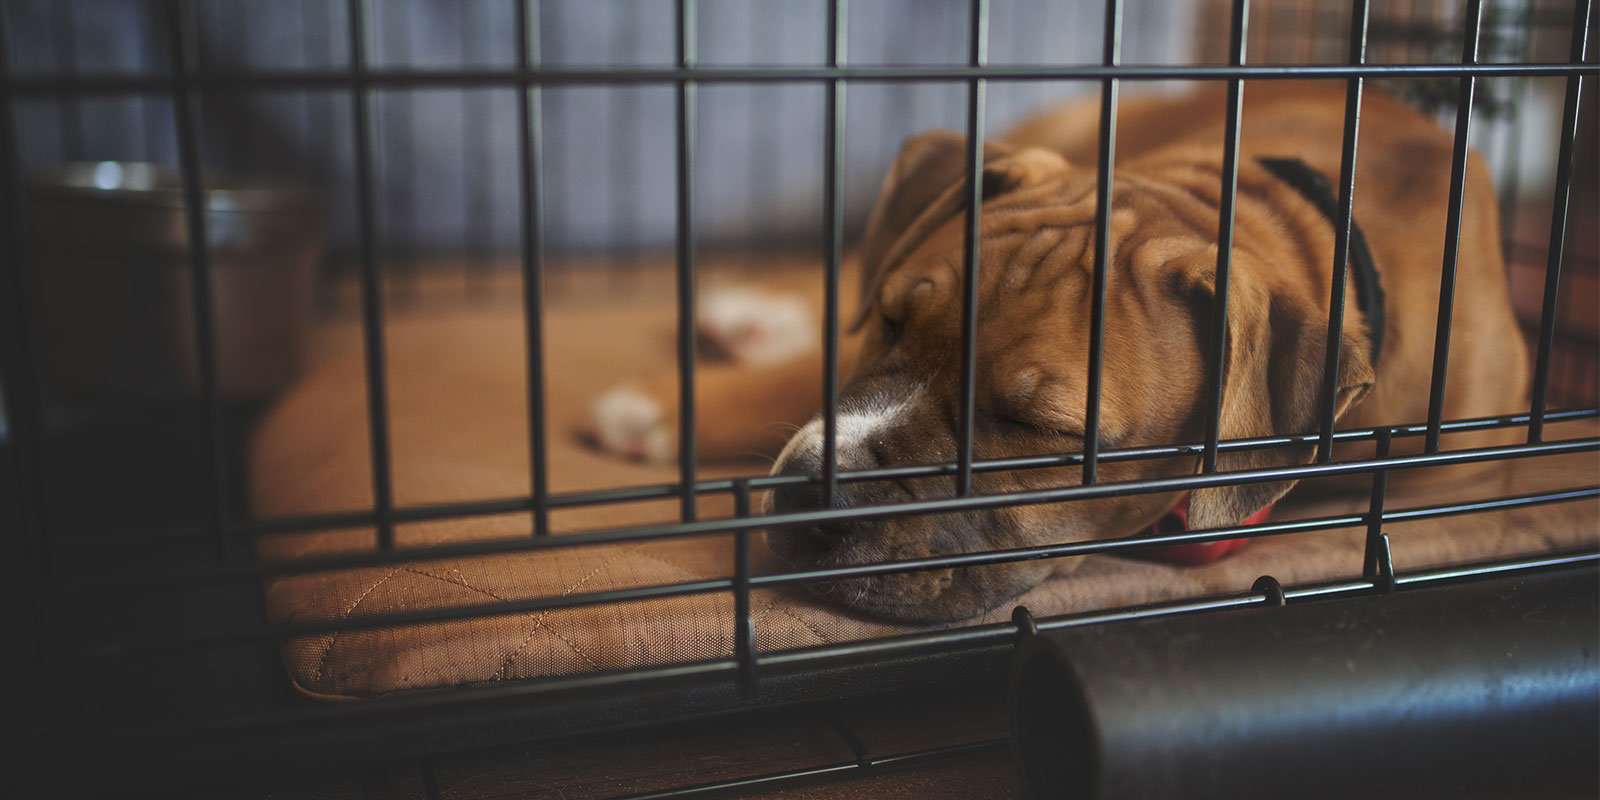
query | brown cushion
(458,422)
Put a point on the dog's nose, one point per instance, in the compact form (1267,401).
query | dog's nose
(810,496)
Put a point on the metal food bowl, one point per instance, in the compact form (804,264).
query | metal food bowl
(109,244)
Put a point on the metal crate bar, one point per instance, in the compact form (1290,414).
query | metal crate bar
(184,51)
(745,651)
(1380,489)
(530,151)
(1558,221)
(1102,242)
(447,78)
(685,258)
(977,58)
(1341,233)
(371,282)
(841,768)
(423,513)
(744,634)
(177,578)
(1238,37)
(1452,232)
(377,711)
(832,246)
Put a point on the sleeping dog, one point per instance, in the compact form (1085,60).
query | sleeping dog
(899,404)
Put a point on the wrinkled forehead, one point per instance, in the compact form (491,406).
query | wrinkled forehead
(1038,269)
(1064,204)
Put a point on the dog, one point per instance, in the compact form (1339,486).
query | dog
(899,404)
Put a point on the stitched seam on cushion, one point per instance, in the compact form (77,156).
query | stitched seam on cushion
(765,612)
(539,623)
(807,624)
(327,653)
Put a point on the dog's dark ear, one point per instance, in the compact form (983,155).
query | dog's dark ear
(1272,386)
(925,187)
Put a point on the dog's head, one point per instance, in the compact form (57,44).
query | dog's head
(901,405)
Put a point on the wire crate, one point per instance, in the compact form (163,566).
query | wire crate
(523,158)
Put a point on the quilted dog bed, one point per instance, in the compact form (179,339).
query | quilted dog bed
(458,422)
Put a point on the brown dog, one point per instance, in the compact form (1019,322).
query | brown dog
(899,405)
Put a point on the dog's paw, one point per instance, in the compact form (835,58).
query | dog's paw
(749,326)
(628,422)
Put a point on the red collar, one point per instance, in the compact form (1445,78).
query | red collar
(1188,555)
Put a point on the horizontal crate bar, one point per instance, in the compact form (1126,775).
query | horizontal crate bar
(463,78)
(868,764)
(777,580)
(663,531)
(378,710)
(522,504)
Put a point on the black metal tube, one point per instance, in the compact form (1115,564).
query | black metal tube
(1230,187)
(371,283)
(1341,232)
(832,247)
(183,52)
(531,156)
(838,653)
(978,57)
(174,580)
(685,263)
(277,80)
(1452,229)
(1558,223)
(744,634)
(1483,690)
(477,150)
(1380,489)
(1102,239)
(673,530)
(420,513)
(779,779)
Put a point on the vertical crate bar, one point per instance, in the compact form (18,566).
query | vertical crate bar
(1102,238)
(1341,232)
(1558,223)
(685,275)
(477,144)
(1230,186)
(184,48)
(530,156)
(1380,488)
(19,369)
(371,281)
(978,56)
(623,207)
(744,633)
(398,153)
(1452,228)
(832,246)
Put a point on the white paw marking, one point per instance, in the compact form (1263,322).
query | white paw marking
(630,423)
(754,327)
